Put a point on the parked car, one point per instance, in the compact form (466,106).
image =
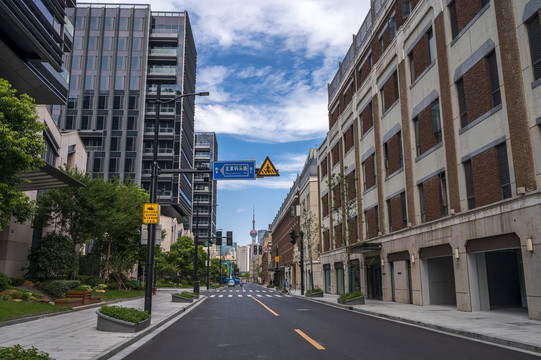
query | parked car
(231,283)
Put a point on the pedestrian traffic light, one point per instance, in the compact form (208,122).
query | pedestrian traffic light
(293,237)
(229,238)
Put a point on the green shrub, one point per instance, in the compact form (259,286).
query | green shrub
(113,286)
(131,286)
(18,352)
(166,283)
(83,288)
(123,313)
(57,288)
(100,287)
(93,281)
(270,286)
(352,295)
(313,291)
(192,294)
(5,281)
(185,294)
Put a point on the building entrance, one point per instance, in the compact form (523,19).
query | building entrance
(373,278)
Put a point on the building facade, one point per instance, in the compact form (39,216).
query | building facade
(121,55)
(434,116)
(205,190)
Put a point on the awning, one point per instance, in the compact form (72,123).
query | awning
(364,247)
(47,177)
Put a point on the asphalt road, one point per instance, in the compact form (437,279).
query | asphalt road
(256,323)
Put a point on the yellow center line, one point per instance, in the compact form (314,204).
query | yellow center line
(265,306)
(310,340)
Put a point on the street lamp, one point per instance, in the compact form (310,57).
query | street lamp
(153,190)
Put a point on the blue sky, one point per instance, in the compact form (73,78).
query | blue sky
(266,64)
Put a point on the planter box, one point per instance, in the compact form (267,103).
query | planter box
(85,295)
(95,299)
(315,294)
(181,299)
(354,301)
(107,323)
(69,302)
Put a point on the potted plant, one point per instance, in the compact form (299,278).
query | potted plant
(182,297)
(354,298)
(317,292)
(122,319)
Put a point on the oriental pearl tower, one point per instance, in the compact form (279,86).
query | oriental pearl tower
(253,232)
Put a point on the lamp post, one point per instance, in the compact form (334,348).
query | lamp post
(153,191)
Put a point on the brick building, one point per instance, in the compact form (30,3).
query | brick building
(436,111)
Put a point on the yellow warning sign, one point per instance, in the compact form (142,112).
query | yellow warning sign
(277,259)
(151,214)
(267,169)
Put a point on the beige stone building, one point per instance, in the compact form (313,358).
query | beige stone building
(435,117)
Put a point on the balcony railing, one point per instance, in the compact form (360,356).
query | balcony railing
(164,51)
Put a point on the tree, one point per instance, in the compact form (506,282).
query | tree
(182,255)
(311,230)
(21,146)
(54,257)
(344,208)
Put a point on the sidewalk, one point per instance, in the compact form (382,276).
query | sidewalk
(73,335)
(508,327)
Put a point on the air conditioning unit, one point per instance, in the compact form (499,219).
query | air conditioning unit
(521,190)
(451,211)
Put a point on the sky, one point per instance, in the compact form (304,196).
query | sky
(266,64)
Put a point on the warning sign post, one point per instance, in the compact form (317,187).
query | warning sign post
(151,214)
(267,169)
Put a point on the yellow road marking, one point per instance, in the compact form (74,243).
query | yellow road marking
(310,340)
(265,306)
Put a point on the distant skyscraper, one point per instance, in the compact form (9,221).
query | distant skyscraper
(253,232)
(121,53)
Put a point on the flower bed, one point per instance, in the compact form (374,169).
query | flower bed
(121,319)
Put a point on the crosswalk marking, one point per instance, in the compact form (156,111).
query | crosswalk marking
(229,295)
(212,296)
(221,296)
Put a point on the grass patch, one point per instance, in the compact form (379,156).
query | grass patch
(11,309)
(348,296)
(119,294)
(123,313)
(316,290)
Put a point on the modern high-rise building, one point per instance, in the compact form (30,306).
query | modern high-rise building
(121,53)
(434,124)
(205,189)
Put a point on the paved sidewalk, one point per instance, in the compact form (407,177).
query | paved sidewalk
(73,335)
(510,327)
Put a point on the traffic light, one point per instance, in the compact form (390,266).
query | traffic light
(229,238)
(218,238)
(260,251)
(293,237)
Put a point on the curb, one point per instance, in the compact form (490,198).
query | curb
(467,334)
(119,347)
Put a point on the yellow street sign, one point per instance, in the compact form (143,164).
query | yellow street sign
(151,214)
(277,259)
(267,169)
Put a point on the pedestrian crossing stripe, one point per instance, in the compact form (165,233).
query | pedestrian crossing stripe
(267,169)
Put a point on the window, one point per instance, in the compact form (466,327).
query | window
(87,101)
(323,165)
(494,80)
(422,202)
(76,62)
(101,122)
(462,102)
(369,172)
(453,18)
(325,205)
(118,101)
(135,63)
(79,23)
(97,166)
(462,12)
(117,123)
(114,143)
(122,43)
(113,165)
(406,8)
(392,150)
(78,43)
(433,198)
(120,63)
(85,122)
(130,144)
(104,82)
(70,120)
(103,101)
(89,82)
(123,23)
(436,121)
(335,152)
(136,45)
(444,200)
(392,27)
(503,167)
(92,43)
(348,139)
(94,22)
(431,45)
(133,102)
(74,81)
(534,37)
(132,123)
(134,82)
(128,166)
(90,62)
(107,43)
(137,24)
(381,45)
(72,102)
(412,66)
(389,92)
(367,119)
(119,82)
(109,23)
(106,63)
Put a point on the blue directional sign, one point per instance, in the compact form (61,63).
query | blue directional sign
(233,170)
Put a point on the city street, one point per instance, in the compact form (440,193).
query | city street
(252,322)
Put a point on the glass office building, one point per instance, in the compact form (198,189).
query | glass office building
(121,53)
